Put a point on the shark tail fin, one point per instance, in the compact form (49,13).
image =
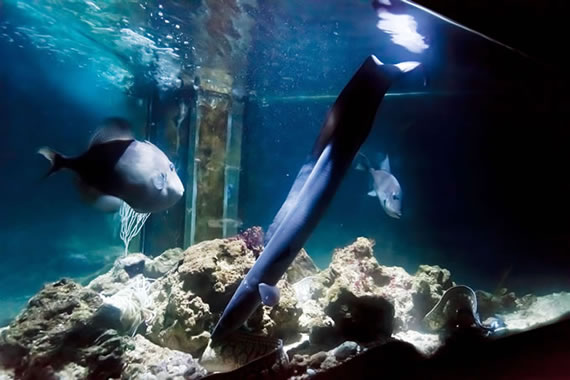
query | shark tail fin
(56,160)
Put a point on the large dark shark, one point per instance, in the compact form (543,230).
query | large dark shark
(346,126)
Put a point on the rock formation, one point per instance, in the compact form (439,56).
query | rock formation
(151,317)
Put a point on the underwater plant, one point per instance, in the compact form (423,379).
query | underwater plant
(131,223)
(134,304)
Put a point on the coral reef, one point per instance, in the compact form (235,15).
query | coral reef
(188,298)
(149,361)
(303,366)
(160,265)
(58,332)
(390,297)
(150,318)
(122,271)
(364,319)
(426,343)
(253,239)
(302,267)
(63,333)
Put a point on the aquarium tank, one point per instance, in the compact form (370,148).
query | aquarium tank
(278,189)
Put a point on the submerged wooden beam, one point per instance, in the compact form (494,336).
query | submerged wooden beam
(217,158)
(210,154)
(169,129)
(233,169)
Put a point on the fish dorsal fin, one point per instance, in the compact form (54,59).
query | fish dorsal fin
(385,164)
(269,294)
(114,128)
(151,144)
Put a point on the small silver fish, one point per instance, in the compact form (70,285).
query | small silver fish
(117,168)
(385,186)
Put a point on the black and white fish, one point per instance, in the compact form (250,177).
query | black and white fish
(244,355)
(385,186)
(117,168)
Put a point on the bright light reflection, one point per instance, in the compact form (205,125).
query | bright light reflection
(403,30)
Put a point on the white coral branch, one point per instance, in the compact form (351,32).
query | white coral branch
(131,224)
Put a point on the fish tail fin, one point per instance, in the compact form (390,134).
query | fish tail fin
(56,160)
(362,162)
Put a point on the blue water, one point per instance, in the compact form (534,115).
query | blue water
(481,161)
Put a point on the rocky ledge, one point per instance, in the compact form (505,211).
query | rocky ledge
(151,318)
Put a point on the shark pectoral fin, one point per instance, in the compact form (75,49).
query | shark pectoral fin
(269,294)
(372,193)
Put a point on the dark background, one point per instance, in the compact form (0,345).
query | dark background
(537,28)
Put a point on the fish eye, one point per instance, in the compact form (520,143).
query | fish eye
(395,197)
(171,167)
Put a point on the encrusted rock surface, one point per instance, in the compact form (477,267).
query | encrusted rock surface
(213,269)
(355,269)
(355,277)
(429,284)
(282,320)
(189,299)
(133,265)
(149,361)
(122,271)
(205,279)
(302,267)
(305,366)
(253,239)
(58,328)
(149,318)
(162,264)
(182,319)
(426,343)
(63,335)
